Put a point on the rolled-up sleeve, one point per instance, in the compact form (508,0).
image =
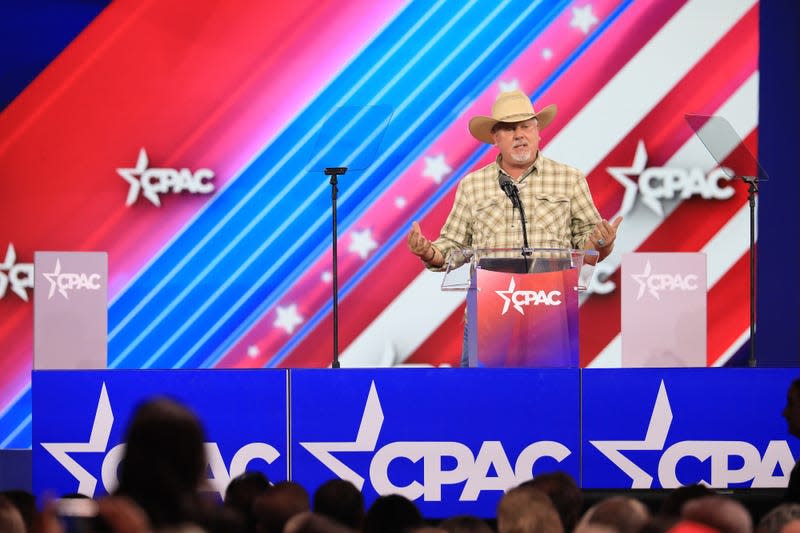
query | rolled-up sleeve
(584,216)
(457,230)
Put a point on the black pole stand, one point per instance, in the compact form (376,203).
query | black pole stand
(752,191)
(334,173)
(720,139)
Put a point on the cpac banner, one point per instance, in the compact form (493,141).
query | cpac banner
(664,310)
(81,417)
(451,440)
(70,312)
(664,428)
(525,320)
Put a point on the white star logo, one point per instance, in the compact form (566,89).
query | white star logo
(253,351)
(98,441)
(631,188)
(436,168)
(326,277)
(11,274)
(583,18)
(660,422)
(52,277)
(288,318)
(362,243)
(131,175)
(399,202)
(547,54)
(506,86)
(8,262)
(506,296)
(641,279)
(366,439)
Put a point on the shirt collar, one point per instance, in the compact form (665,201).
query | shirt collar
(533,169)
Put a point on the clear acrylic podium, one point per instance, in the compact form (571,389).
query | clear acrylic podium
(522,304)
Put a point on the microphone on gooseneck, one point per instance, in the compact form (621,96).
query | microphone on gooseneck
(512,192)
(509,188)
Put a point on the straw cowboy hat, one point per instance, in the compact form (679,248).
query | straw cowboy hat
(512,106)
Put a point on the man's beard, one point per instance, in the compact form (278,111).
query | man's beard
(523,157)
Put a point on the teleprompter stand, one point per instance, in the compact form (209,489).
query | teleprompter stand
(334,173)
(341,145)
(727,149)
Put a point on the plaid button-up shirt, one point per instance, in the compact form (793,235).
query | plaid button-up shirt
(559,210)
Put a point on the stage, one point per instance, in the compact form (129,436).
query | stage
(451,440)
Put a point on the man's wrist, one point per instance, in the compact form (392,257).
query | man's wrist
(432,257)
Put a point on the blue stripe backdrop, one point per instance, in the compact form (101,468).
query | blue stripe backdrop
(140,342)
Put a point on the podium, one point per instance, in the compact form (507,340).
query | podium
(522,304)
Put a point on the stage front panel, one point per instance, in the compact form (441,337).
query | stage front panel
(450,440)
(81,418)
(662,428)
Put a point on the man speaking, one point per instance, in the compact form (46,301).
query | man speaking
(555,197)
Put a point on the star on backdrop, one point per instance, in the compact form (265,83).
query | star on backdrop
(436,168)
(132,175)
(583,18)
(288,318)
(506,86)
(631,187)
(362,243)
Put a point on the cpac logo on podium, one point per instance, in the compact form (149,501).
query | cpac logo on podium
(656,184)
(16,276)
(522,299)
(654,284)
(476,470)
(71,281)
(220,473)
(154,181)
(732,462)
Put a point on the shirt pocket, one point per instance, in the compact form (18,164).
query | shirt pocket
(551,214)
(489,219)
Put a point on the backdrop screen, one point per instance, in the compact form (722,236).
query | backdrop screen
(186,139)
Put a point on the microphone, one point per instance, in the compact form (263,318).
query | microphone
(509,188)
(512,192)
